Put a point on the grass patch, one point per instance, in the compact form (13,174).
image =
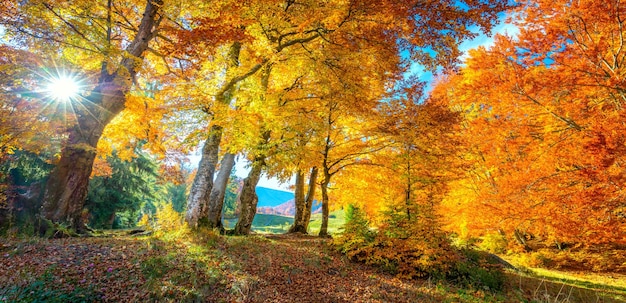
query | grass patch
(46,289)
(264,223)
(276,224)
(336,221)
(544,289)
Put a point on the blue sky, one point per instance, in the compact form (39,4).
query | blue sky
(480,40)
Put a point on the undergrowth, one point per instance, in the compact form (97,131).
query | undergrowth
(412,249)
(45,289)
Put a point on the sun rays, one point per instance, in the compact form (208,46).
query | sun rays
(63,88)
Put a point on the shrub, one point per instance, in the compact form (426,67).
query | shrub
(415,250)
(494,243)
(357,238)
(168,220)
(479,270)
(415,247)
(407,248)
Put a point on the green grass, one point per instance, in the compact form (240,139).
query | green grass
(336,220)
(276,224)
(539,288)
(262,223)
(42,289)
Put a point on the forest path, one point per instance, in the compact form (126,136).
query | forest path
(302,268)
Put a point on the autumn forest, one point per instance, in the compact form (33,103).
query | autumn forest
(500,178)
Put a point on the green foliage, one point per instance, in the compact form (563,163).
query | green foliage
(25,168)
(494,243)
(22,176)
(45,289)
(115,201)
(356,239)
(231,197)
(479,270)
(177,195)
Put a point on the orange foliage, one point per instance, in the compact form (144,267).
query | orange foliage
(547,132)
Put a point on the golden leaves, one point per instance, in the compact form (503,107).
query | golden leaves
(545,156)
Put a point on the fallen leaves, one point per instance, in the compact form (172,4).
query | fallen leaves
(203,268)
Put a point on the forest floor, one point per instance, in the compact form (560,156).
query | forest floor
(212,268)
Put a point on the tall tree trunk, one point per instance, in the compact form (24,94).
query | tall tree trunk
(216,199)
(325,208)
(67,186)
(198,205)
(310,195)
(66,190)
(198,199)
(298,220)
(249,198)
(303,212)
(111,220)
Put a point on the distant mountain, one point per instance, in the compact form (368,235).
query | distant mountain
(287,209)
(279,202)
(272,197)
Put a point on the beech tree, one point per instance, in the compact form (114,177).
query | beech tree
(303,203)
(217,49)
(547,131)
(48,24)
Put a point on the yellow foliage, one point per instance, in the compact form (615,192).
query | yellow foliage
(494,243)
(167,219)
(144,221)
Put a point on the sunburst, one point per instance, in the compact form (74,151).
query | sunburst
(63,88)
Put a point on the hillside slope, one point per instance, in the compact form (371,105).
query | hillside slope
(287,209)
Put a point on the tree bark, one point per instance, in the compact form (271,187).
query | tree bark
(325,209)
(66,189)
(216,199)
(298,220)
(198,199)
(198,205)
(310,195)
(303,212)
(249,198)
